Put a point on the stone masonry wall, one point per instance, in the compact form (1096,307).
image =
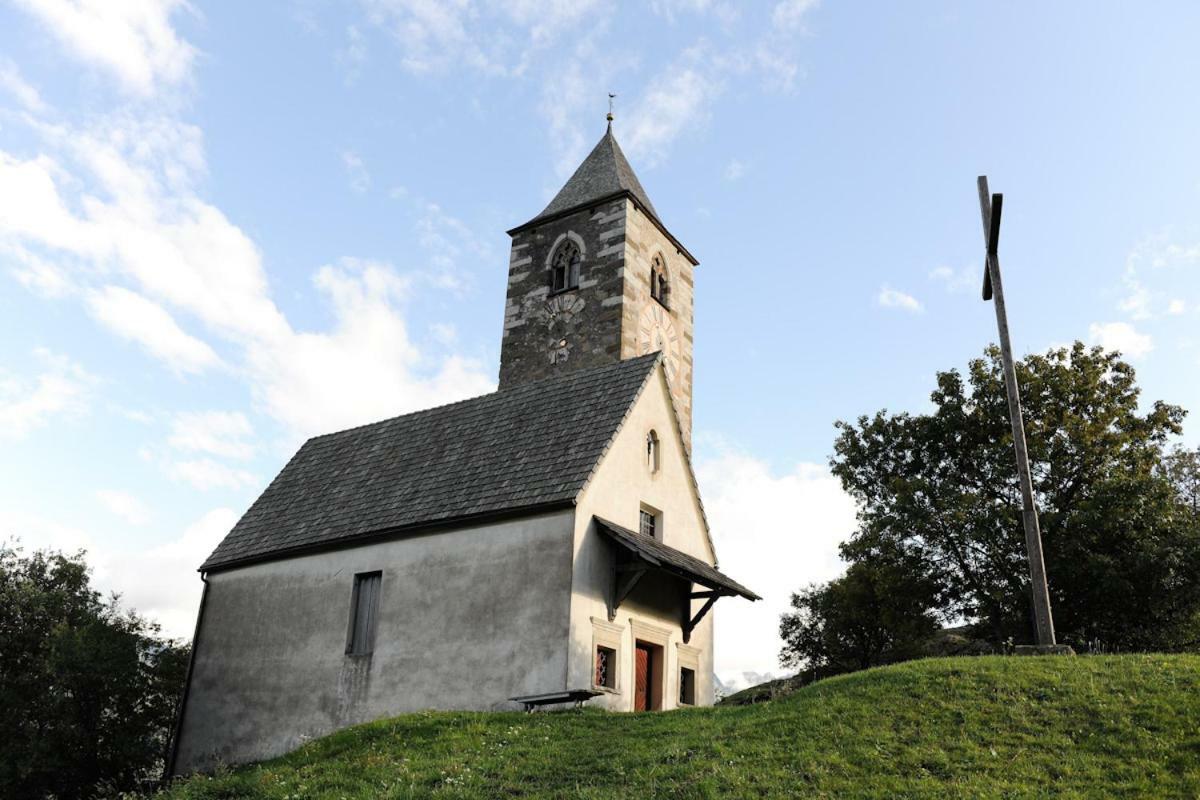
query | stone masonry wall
(643,240)
(548,333)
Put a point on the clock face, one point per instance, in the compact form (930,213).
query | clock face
(657,333)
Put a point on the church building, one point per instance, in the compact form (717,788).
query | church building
(541,545)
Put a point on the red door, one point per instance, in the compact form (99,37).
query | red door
(641,678)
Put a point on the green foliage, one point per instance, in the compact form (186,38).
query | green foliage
(877,613)
(938,492)
(87,692)
(986,727)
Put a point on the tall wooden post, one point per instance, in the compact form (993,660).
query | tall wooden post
(991,205)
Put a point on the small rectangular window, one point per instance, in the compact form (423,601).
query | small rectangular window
(364,610)
(687,687)
(606,667)
(649,526)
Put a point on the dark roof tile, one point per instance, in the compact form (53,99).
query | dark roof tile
(530,445)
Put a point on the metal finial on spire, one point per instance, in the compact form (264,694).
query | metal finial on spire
(611,95)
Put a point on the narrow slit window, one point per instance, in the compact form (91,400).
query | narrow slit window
(652,451)
(606,667)
(687,687)
(364,613)
(660,288)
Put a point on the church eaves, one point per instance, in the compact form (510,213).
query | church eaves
(530,447)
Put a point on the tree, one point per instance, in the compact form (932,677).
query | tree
(87,691)
(939,490)
(877,613)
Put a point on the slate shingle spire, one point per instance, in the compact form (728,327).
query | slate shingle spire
(604,173)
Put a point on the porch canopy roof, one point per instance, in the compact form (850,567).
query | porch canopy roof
(661,557)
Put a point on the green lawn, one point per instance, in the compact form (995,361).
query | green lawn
(1099,726)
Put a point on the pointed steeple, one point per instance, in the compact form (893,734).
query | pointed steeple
(604,173)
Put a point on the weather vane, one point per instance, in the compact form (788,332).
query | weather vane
(611,95)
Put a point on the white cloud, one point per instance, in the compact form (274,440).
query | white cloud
(497,37)
(1155,269)
(134,317)
(965,279)
(1121,336)
(676,100)
(26,404)
(205,474)
(354,55)
(366,368)
(356,170)
(894,298)
(124,505)
(218,433)
(138,215)
(12,82)
(734,170)
(159,582)
(132,39)
(789,15)
(775,533)
(39,275)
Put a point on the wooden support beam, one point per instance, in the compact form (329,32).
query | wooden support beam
(622,586)
(698,595)
(694,621)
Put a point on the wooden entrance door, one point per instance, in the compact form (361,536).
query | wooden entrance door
(641,677)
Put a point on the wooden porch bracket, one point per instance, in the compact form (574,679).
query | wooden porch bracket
(626,576)
(691,624)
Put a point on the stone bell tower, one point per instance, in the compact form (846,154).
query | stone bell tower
(596,278)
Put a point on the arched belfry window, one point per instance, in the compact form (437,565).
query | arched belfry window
(660,287)
(652,451)
(564,267)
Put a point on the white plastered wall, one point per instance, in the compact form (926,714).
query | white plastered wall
(621,484)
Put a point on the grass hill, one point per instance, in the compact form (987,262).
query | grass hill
(1098,726)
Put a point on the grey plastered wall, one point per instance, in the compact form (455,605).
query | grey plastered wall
(467,618)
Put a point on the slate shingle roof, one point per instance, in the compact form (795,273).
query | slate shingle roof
(654,552)
(530,445)
(604,172)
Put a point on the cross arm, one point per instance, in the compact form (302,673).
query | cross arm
(990,208)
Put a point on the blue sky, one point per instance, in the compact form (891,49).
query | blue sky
(227,226)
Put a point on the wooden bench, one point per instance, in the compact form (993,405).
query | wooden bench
(576,696)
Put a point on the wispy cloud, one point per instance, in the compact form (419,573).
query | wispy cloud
(679,98)
(144,223)
(497,38)
(134,41)
(218,433)
(1121,336)
(356,170)
(25,94)
(1156,269)
(124,505)
(964,279)
(790,16)
(894,298)
(61,388)
(134,317)
(205,474)
(734,170)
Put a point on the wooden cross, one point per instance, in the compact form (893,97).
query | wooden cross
(991,205)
